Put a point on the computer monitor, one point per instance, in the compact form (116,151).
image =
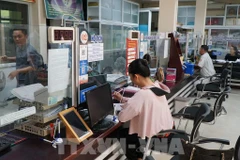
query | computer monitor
(100,104)
(99,79)
(85,88)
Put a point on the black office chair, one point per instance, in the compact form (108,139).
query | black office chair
(192,151)
(203,111)
(235,71)
(224,66)
(229,154)
(218,109)
(237,150)
(214,87)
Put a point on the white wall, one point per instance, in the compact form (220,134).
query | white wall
(167,15)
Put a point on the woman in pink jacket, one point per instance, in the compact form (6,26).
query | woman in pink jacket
(148,113)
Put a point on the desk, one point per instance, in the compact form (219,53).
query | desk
(35,149)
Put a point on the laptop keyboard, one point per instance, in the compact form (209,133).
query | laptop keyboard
(4,144)
(7,140)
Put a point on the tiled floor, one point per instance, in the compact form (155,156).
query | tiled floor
(226,126)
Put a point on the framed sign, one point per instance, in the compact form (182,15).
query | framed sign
(76,129)
(55,9)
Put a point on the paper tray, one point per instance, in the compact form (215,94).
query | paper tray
(31,128)
(38,106)
(40,119)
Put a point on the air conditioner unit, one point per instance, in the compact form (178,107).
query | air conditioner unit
(216,6)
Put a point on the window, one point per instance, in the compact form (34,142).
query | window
(11,15)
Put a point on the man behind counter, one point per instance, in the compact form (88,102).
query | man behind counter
(205,63)
(27,59)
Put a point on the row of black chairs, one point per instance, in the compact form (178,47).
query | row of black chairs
(194,138)
(202,113)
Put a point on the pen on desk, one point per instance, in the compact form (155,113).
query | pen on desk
(46,140)
(58,128)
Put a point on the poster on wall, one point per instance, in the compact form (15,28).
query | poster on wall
(55,9)
(131,52)
(83,64)
(95,52)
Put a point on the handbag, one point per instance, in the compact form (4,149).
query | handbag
(194,152)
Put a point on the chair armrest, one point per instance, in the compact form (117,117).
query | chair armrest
(180,114)
(215,75)
(215,140)
(210,78)
(198,104)
(215,81)
(172,131)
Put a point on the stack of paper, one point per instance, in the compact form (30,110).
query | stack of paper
(26,93)
(113,77)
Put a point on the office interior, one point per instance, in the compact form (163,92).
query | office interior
(170,31)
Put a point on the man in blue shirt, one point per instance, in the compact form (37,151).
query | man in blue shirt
(27,59)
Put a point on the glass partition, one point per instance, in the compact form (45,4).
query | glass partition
(219,43)
(22,55)
(187,41)
(20,58)
(234,34)
(23,47)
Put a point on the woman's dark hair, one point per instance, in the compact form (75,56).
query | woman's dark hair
(147,57)
(139,66)
(235,50)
